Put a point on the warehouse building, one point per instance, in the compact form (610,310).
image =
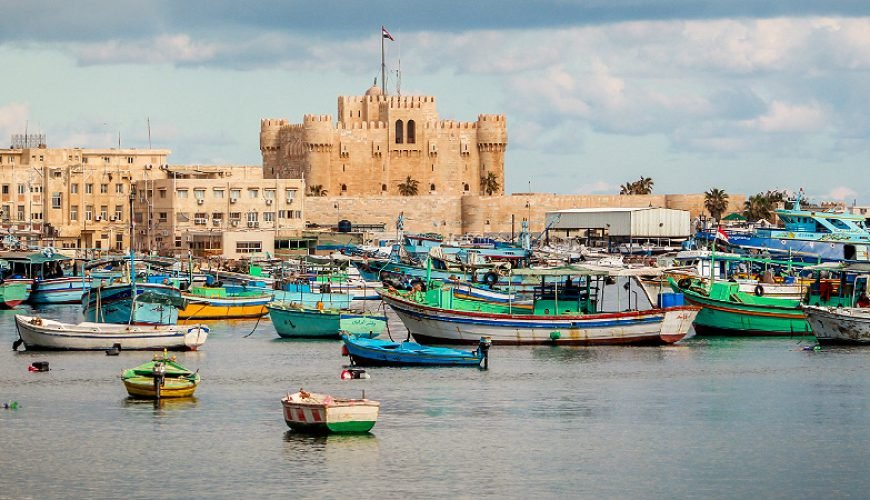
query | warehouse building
(621,227)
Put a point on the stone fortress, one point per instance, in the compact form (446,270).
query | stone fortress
(378,141)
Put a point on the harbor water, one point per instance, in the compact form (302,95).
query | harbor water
(706,418)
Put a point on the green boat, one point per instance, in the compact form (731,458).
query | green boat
(162,377)
(12,294)
(292,320)
(725,310)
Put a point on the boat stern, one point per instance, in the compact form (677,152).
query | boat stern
(677,323)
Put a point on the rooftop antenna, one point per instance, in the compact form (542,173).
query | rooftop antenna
(399,79)
(148,120)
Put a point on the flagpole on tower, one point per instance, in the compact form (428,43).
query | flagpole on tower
(384,34)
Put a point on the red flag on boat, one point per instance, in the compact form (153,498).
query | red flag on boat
(386,34)
(722,235)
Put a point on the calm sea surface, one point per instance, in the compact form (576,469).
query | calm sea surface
(709,418)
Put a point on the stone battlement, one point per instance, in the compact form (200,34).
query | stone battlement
(316,118)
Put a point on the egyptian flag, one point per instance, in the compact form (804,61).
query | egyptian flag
(386,34)
(721,235)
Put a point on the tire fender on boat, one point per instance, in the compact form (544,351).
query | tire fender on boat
(490,278)
(759,290)
(684,283)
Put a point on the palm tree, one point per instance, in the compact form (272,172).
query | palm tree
(316,190)
(716,201)
(490,184)
(757,207)
(409,187)
(627,188)
(644,185)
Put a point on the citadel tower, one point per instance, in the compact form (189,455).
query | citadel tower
(378,141)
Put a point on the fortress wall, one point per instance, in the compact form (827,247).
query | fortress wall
(455,215)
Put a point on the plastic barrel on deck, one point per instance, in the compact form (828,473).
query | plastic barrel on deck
(670,299)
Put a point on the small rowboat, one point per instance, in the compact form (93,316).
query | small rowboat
(376,352)
(162,377)
(41,333)
(321,413)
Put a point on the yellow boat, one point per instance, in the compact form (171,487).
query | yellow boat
(220,303)
(162,377)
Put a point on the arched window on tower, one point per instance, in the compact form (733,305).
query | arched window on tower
(383,188)
(344,188)
(412,132)
(432,187)
(467,187)
(400,126)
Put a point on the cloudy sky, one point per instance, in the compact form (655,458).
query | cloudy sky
(737,94)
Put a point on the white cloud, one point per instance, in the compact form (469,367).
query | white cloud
(841,193)
(13,118)
(175,49)
(782,117)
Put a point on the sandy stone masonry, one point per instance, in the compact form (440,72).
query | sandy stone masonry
(379,141)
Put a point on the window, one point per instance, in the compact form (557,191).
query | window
(217,216)
(218,193)
(130,160)
(104,188)
(89,188)
(290,194)
(119,189)
(253,216)
(119,241)
(178,242)
(268,216)
(162,217)
(344,188)
(55,200)
(7,212)
(162,193)
(431,187)
(235,194)
(119,212)
(5,189)
(399,129)
(74,188)
(84,159)
(253,193)
(181,193)
(36,216)
(249,246)
(466,187)
(104,211)
(89,213)
(20,212)
(200,218)
(22,188)
(383,188)
(73,212)
(236,216)
(199,194)
(269,194)
(412,132)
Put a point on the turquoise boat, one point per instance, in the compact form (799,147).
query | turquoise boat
(725,310)
(293,320)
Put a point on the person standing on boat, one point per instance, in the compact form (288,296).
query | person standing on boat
(863,300)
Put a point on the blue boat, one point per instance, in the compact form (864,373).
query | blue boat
(57,279)
(807,234)
(376,352)
(135,304)
(292,320)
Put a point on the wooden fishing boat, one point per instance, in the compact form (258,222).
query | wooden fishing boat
(12,294)
(221,303)
(839,325)
(133,303)
(162,377)
(53,282)
(321,413)
(293,320)
(561,315)
(40,333)
(726,310)
(376,352)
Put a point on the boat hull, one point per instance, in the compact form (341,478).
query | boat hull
(290,322)
(720,317)
(201,308)
(373,352)
(143,387)
(115,304)
(12,294)
(66,290)
(844,325)
(431,325)
(44,334)
(353,418)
